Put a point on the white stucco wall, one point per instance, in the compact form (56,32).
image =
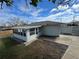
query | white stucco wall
(28,37)
(50,30)
(31,37)
(20,37)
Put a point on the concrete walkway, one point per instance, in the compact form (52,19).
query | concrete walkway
(72,41)
(73,50)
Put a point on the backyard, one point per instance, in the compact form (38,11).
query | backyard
(39,49)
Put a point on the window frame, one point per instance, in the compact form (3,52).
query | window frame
(32,31)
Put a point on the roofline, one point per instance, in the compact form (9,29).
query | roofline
(26,27)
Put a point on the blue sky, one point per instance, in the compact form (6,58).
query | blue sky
(44,11)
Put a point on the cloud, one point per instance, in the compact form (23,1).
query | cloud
(75,6)
(60,7)
(68,11)
(54,17)
(22,10)
(30,10)
(66,15)
(77,18)
(37,12)
(54,9)
(4,13)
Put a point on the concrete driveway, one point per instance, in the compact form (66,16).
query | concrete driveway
(72,41)
(64,39)
(73,50)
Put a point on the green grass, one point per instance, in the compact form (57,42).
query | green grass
(40,49)
(7,42)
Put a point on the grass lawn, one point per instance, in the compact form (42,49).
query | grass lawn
(40,49)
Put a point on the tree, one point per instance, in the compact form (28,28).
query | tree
(8,2)
(15,21)
(56,2)
(35,2)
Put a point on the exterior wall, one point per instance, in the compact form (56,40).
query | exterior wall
(31,37)
(50,30)
(19,37)
(66,30)
(75,30)
(28,37)
(45,30)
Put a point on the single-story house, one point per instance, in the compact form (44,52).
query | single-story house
(34,30)
(26,33)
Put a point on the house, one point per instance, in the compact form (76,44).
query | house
(26,33)
(34,30)
(49,28)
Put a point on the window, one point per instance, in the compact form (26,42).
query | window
(40,29)
(15,31)
(24,34)
(37,30)
(32,31)
(21,32)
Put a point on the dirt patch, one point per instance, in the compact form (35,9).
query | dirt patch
(40,49)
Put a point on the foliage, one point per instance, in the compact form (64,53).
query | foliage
(35,2)
(56,2)
(8,2)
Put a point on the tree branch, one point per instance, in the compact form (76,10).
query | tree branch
(1,5)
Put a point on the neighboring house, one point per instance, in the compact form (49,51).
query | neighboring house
(34,30)
(70,28)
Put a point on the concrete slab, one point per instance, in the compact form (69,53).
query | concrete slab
(68,56)
(72,41)
(64,39)
(73,50)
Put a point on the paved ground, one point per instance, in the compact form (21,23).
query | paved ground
(64,39)
(72,41)
(73,50)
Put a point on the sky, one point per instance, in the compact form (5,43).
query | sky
(45,11)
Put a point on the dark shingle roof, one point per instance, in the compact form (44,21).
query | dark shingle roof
(45,23)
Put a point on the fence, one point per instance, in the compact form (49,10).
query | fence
(6,33)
